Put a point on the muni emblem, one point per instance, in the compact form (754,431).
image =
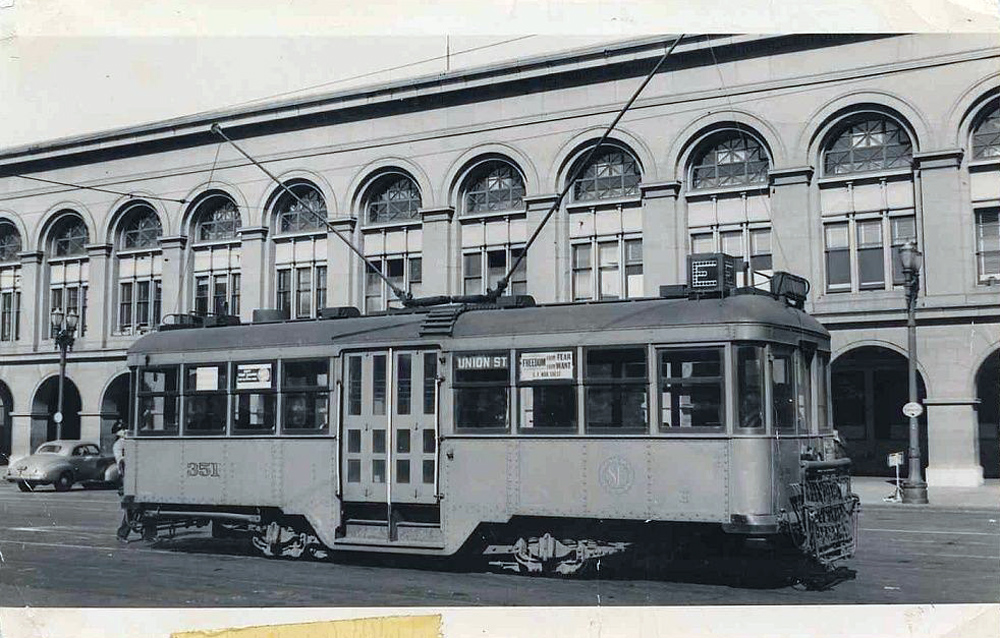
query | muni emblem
(616,475)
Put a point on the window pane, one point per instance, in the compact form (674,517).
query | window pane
(354,386)
(732,243)
(783,391)
(702,243)
(481,407)
(205,413)
(378,384)
(254,412)
(304,411)
(404,383)
(691,388)
(430,382)
(750,389)
(548,407)
(730,158)
(312,373)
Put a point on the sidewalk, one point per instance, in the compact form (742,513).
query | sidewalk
(872,490)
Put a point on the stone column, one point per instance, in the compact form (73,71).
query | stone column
(33,320)
(549,268)
(20,444)
(947,240)
(794,231)
(439,262)
(343,266)
(174,272)
(664,237)
(99,296)
(253,271)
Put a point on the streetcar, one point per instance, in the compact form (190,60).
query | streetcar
(546,437)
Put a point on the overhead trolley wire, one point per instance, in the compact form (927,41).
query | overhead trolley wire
(98,189)
(494,294)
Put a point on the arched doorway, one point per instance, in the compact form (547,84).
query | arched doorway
(114,407)
(870,386)
(44,407)
(6,427)
(988,393)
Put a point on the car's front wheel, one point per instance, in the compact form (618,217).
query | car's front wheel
(24,486)
(64,482)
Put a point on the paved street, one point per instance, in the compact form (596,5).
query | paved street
(59,550)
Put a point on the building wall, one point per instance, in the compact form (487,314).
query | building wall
(787,93)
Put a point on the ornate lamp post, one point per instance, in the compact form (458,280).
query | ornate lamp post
(63,329)
(914,487)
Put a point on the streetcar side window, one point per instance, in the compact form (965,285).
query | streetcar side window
(691,389)
(823,392)
(803,388)
(750,386)
(482,391)
(158,401)
(783,389)
(547,391)
(616,389)
(305,395)
(255,397)
(205,389)
(354,385)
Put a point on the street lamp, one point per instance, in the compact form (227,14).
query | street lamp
(63,328)
(914,487)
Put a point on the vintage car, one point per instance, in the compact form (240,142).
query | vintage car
(61,464)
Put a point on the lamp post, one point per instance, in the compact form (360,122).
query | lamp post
(914,487)
(63,328)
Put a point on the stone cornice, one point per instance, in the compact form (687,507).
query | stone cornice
(437,213)
(31,257)
(343,224)
(253,232)
(540,202)
(947,158)
(660,189)
(99,250)
(792,175)
(173,241)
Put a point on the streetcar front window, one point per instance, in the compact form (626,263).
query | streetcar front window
(750,386)
(305,392)
(482,390)
(157,401)
(783,389)
(205,409)
(691,389)
(616,389)
(823,392)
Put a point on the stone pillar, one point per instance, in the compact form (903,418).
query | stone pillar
(794,233)
(664,237)
(174,273)
(90,427)
(99,296)
(948,357)
(253,271)
(437,241)
(953,443)
(549,268)
(343,266)
(20,444)
(33,323)
(947,240)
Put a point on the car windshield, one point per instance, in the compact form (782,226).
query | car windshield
(49,449)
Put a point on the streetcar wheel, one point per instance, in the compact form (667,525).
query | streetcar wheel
(64,482)
(24,486)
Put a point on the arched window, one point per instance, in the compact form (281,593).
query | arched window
(491,244)
(734,218)
(494,187)
(612,173)
(300,251)
(867,222)
(295,216)
(218,219)
(140,287)
(986,137)
(393,198)
(729,159)
(394,251)
(68,268)
(10,282)
(216,268)
(874,143)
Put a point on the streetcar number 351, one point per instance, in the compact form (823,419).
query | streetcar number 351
(210,470)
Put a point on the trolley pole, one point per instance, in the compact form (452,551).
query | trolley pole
(914,488)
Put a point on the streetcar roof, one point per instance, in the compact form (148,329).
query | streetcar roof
(580,318)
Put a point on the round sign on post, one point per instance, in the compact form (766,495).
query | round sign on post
(913,410)
(57,417)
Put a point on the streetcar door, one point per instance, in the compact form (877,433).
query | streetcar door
(389,435)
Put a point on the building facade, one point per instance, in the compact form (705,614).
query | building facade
(819,155)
